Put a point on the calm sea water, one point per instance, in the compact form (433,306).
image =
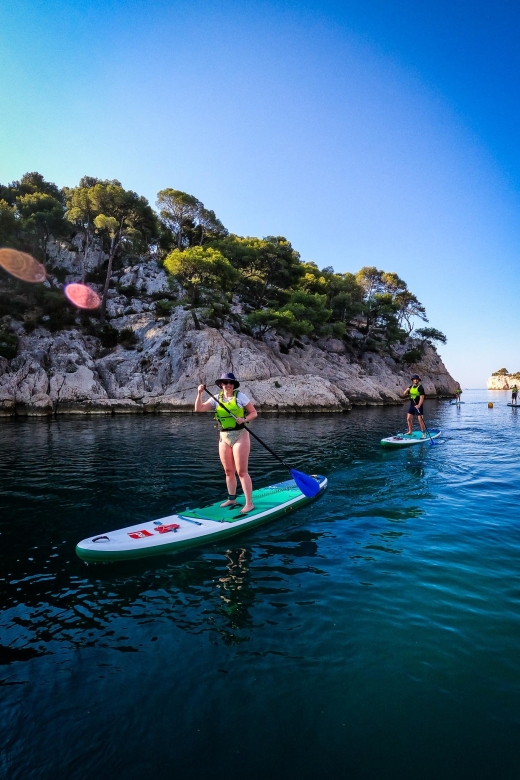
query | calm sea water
(373,634)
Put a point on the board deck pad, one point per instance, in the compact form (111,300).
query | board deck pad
(263,499)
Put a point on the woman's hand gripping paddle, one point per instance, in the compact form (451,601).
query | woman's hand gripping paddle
(309,486)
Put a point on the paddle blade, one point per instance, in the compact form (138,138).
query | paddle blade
(309,486)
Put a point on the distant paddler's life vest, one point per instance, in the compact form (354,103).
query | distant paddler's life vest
(223,418)
(414,394)
(514,389)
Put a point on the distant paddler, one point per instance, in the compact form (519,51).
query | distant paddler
(232,413)
(416,394)
(514,392)
(458,393)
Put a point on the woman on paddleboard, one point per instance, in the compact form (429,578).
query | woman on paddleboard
(234,442)
(416,393)
(514,392)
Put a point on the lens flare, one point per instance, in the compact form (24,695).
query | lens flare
(22,265)
(82,296)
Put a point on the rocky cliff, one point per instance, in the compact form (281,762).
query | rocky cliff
(159,368)
(502,382)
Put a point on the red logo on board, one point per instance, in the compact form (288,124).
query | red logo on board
(140,534)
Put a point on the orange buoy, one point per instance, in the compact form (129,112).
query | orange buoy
(490,405)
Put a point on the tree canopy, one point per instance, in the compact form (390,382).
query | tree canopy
(261,284)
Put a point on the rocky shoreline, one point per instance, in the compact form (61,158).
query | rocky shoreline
(167,356)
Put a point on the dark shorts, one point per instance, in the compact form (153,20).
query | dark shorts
(412,409)
(513,396)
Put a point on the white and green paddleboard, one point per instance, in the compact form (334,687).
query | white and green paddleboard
(457,403)
(407,439)
(194,526)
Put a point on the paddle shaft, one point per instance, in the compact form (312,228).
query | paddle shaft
(251,432)
(428,432)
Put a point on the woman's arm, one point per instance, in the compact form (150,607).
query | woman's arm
(251,413)
(200,405)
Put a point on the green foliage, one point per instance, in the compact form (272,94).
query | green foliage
(268,268)
(501,372)
(412,355)
(130,290)
(164,307)
(8,344)
(30,184)
(178,211)
(187,220)
(108,336)
(388,304)
(431,334)
(203,272)
(303,314)
(41,215)
(55,312)
(127,338)
(215,314)
(124,221)
(8,224)
(372,309)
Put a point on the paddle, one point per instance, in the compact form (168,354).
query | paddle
(429,434)
(309,486)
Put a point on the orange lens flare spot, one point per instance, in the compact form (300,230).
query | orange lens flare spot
(22,265)
(82,296)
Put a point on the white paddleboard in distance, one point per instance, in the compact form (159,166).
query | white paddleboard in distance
(457,403)
(408,439)
(514,405)
(194,527)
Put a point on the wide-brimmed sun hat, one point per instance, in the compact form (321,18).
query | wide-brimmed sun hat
(416,376)
(227,378)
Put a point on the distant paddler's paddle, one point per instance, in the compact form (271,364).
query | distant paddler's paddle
(309,486)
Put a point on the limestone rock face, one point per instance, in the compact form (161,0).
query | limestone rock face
(72,258)
(69,372)
(147,278)
(501,382)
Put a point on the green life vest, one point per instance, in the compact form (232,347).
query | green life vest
(514,389)
(224,419)
(414,393)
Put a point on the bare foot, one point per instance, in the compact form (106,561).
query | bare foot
(246,509)
(229,502)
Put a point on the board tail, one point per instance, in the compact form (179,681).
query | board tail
(309,486)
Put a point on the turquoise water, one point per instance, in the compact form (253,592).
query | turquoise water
(373,634)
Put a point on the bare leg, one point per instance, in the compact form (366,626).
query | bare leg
(409,420)
(241,455)
(421,423)
(227,460)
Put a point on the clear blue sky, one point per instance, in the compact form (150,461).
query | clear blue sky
(367,132)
